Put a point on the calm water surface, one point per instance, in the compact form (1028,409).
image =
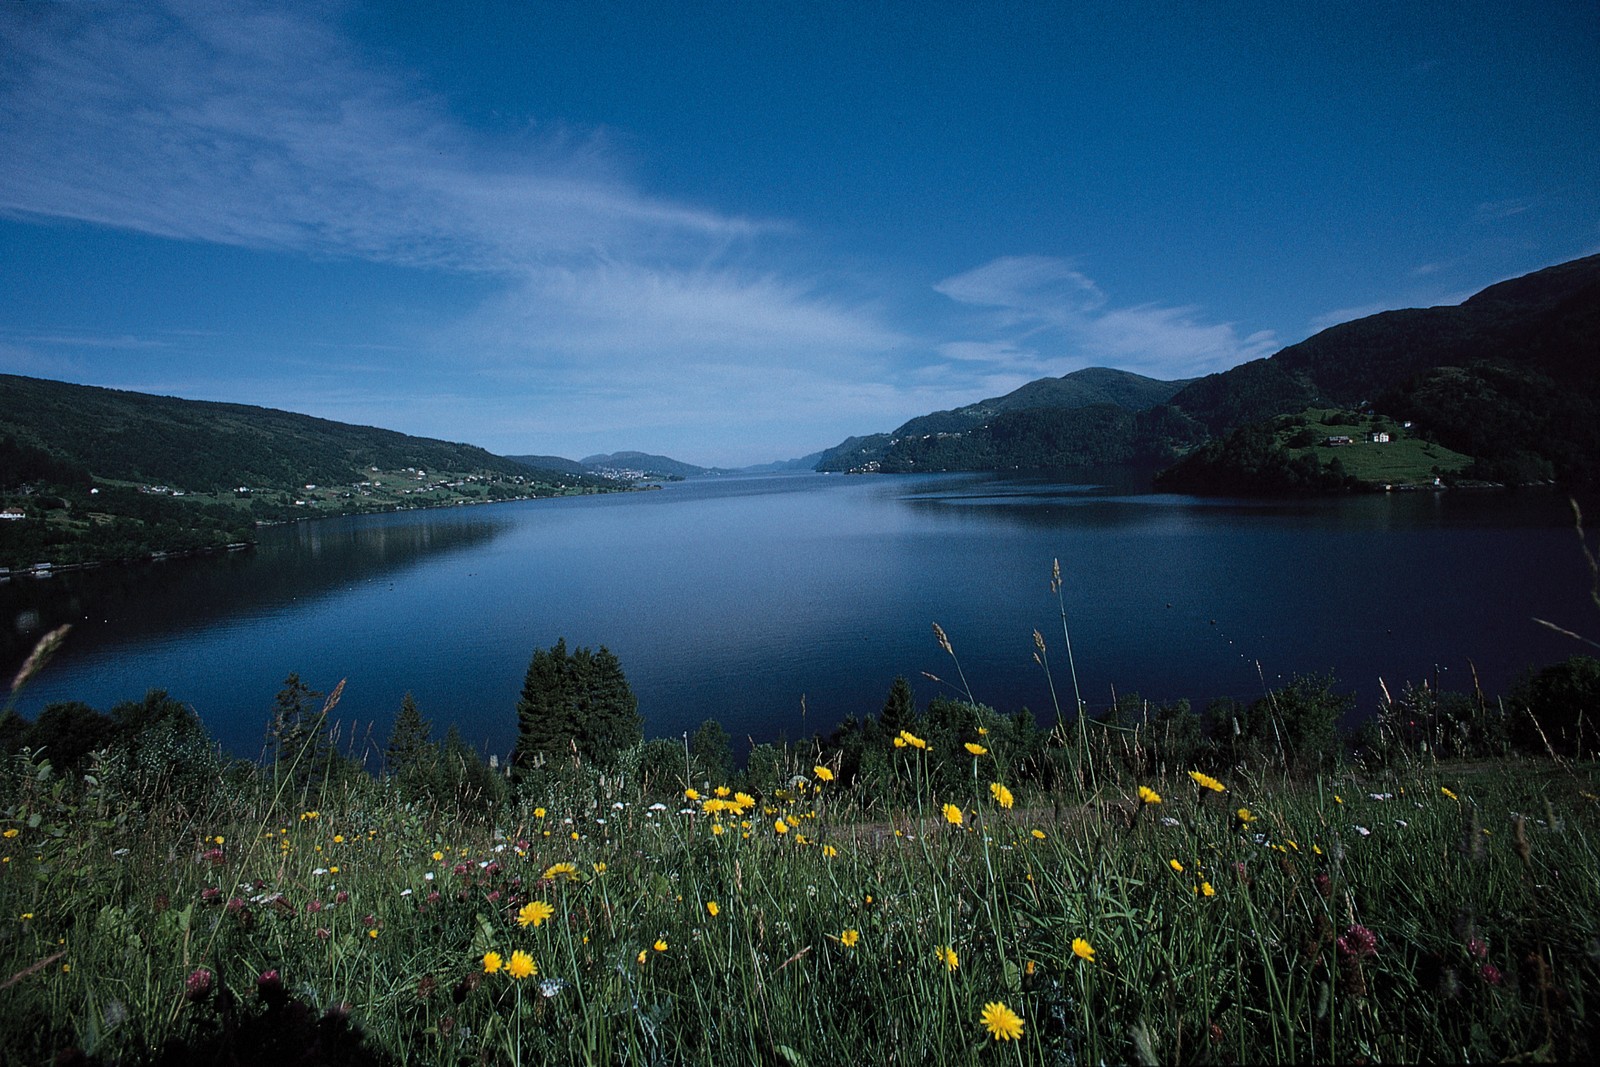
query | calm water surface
(780,604)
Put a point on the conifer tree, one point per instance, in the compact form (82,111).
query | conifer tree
(574,703)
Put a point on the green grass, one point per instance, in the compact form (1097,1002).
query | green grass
(1487,936)
(1404,460)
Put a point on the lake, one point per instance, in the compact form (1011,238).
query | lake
(781,603)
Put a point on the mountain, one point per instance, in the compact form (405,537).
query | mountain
(110,474)
(641,464)
(551,463)
(1504,386)
(1084,417)
(1507,377)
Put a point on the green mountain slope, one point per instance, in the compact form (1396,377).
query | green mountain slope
(108,474)
(1082,417)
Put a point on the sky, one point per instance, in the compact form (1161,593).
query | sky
(739,232)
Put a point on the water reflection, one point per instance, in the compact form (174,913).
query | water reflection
(294,564)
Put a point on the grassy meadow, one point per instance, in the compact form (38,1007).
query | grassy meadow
(1433,911)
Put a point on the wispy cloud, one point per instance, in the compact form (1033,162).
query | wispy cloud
(1495,210)
(263,128)
(1051,317)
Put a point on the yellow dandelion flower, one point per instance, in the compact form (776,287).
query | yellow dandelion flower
(976,750)
(1337,799)
(538,813)
(1002,795)
(722,791)
(712,907)
(948,957)
(573,835)
(912,739)
(1003,1023)
(828,851)
(1205,781)
(643,955)
(716,828)
(534,913)
(521,966)
(822,773)
(691,794)
(1207,890)
(1082,949)
(492,962)
(899,742)
(1039,834)
(660,945)
(217,840)
(437,855)
(338,839)
(952,814)
(983,731)
(780,826)
(1245,816)
(1175,865)
(600,868)
(850,938)
(745,801)
(373,933)
(561,870)
(1447,792)
(12,832)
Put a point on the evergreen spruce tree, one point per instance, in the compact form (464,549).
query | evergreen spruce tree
(411,759)
(899,710)
(574,703)
(713,751)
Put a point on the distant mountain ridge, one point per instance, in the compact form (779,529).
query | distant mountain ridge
(1510,376)
(995,431)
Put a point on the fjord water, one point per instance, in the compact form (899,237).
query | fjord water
(781,603)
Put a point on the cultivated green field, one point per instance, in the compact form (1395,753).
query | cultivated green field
(1405,460)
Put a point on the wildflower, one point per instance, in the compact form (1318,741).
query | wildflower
(691,794)
(712,907)
(373,933)
(1082,949)
(12,832)
(1148,795)
(1205,781)
(642,955)
(716,828)
(850,938)
(561,870)
(912,739)
(1358,941)
(983,731)
(1490,973)
(492,962)
(1175,865)
(600,868)
(722,791)
(1206,890)
(660,945)
(952,815)
(948,957)
(1245,817)
(1447,792)
(745,801)
(828,851)
(538,813)
(823,773)
(338,839)
(1337,799)
(899,742)
(1001,1021)
(1002,795)
(780,826)
(534,913)
(437,856)
(521,966)
(976,750)
(1363,831)
(199,984)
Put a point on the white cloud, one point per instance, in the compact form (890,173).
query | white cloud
(1069,322)
(262,128)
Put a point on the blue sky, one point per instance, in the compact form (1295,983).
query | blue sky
(737,232)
